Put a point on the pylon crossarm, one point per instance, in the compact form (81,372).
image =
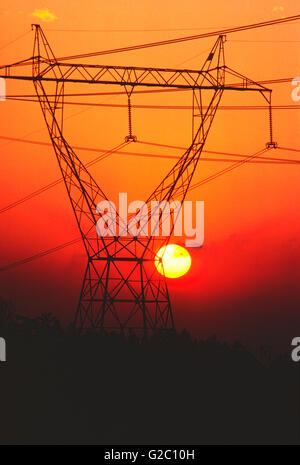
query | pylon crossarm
(180,79)
(243,82)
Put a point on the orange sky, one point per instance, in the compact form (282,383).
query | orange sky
(256,205)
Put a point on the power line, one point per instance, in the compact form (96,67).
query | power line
(289,149)
(93,94)
(40,255)
(266,160)
(155,144)
(71,29)
(224,153)
(167,107)
(185,39)
(14,40)
(132,30)
(266,41)
(194,186)
(57,181)
(226,170)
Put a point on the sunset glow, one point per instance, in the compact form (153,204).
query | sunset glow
(249,262)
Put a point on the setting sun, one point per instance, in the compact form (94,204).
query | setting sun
(173,261)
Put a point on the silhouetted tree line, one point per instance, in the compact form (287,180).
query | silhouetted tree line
(58,387)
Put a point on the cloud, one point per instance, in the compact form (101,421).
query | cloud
(278,8)
(44,15)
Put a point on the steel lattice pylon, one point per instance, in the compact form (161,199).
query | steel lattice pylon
(121,288)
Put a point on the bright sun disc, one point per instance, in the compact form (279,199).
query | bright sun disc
(173,261)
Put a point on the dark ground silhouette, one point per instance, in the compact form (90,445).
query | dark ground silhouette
(61,388)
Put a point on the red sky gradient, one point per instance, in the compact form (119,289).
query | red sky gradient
(244,281)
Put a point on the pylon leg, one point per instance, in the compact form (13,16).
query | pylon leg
(123,295)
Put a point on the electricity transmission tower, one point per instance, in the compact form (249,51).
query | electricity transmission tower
(121,288)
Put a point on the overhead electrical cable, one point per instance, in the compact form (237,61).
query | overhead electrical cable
(76,240)
(184,39)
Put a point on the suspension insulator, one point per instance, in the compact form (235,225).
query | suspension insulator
(271,144)
(130,137)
